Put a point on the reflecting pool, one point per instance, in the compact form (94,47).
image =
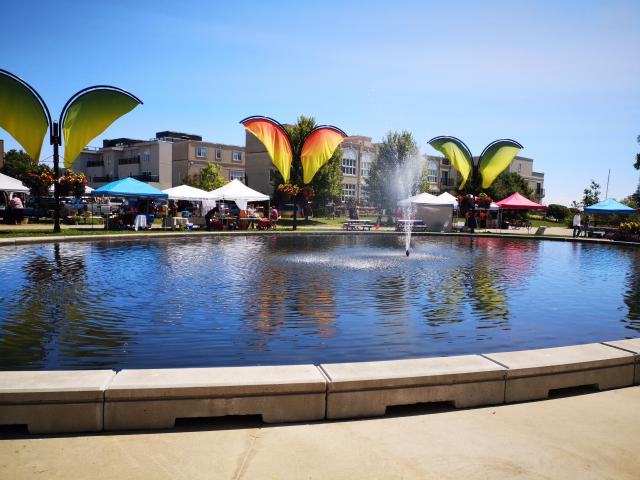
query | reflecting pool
(267,300)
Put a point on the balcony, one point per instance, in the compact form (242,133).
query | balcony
(145,177)
(447,183)
(129,161)
(105,179)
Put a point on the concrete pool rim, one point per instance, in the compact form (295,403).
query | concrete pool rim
(134,399)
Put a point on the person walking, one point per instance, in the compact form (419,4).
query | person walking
(18,209)
(576,225)
(585,226)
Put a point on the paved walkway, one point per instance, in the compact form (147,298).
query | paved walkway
(593,436)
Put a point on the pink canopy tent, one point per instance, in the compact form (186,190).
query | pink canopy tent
(518,202)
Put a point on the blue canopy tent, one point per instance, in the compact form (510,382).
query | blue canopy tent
(609,206)
(129,187)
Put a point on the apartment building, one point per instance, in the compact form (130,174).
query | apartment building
(148,161)
(524,167)
(163,161)
(357,154)
(191,156)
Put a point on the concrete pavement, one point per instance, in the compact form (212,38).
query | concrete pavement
(592,436)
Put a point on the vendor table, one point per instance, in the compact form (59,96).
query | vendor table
(178,222)
(140,222)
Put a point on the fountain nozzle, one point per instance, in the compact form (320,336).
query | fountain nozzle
(407,252)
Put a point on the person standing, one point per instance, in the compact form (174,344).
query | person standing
(274,215)
(576,224)
(585,226)
(18,209)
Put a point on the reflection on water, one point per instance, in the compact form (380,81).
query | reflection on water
(275,300)
(632,294)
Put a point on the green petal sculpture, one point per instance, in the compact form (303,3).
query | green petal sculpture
(89,114)
(495,158)
(25,116)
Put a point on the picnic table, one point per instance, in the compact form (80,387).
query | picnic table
(415,225)
(357,225)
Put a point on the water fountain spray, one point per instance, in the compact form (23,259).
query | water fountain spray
(407,182)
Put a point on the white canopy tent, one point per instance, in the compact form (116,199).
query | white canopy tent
(420,198)
(435,212)
(238,192)
(446,197)
(10,184)
(192,194)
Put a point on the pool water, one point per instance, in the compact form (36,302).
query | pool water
(268,300)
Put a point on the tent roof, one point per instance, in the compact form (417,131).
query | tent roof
(446,197)
(423,199)
(10,184)
(236,190)
(129,187)
(609,206)
(187,192)
(518,202)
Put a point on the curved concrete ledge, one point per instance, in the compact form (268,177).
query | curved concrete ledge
(95,400)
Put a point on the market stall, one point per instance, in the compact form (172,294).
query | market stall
(131,214)
(515,202)
(205,201)
(435,214)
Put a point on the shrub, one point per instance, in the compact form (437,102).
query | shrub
(559,212)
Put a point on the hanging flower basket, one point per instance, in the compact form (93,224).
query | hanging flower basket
(72,184)
(39,180)
(483,200)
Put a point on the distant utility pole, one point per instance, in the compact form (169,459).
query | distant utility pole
(606,193)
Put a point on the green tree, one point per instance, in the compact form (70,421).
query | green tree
(17,164)
(209,178)
(507,184)
(326,182)
(559,212)
(635,196)
(394,159)
(591,194)
(637,164)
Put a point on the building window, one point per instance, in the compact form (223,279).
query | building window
(445,178)
(365,164)
(201,152)
(432,172)
(218,153)
(146,155)
(445,161)
(349,162)
(236,175)
(348,192)
(237,156)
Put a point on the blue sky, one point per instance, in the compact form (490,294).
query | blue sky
(561,77)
